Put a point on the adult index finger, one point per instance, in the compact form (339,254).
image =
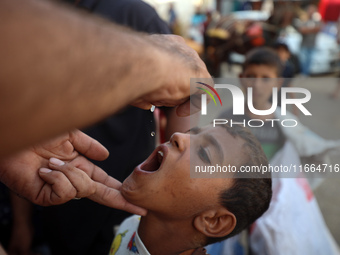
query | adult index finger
(88,146)
(113,198)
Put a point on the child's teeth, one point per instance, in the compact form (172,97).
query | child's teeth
(161,153)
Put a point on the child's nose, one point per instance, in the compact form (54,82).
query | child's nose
(180,140)
(256,83)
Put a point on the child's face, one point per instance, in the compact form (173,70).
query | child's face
(283,54)
(162,184)
(262,79)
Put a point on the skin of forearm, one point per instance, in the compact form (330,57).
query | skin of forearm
(61,69)
(307,30)
(2,251)
(21,210)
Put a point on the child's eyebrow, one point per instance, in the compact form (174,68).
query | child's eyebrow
(195,130)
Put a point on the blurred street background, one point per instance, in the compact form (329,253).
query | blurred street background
(224,31)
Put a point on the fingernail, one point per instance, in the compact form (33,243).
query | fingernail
(45,170)
(56,162)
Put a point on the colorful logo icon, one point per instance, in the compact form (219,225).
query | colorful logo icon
(209,93)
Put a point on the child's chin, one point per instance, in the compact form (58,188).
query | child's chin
(130,192)
(127,190)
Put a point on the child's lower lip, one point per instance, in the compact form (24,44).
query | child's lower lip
(138,170)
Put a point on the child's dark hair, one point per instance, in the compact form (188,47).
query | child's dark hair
(248,198)
(263,56)
(281,45)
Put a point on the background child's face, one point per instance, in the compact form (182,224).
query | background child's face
(163,184)
(262,79)
(284,55)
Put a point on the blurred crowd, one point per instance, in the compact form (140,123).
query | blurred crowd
(308,31)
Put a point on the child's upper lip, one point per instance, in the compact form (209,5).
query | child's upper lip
(164,149)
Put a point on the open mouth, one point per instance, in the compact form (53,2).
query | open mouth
(154,162)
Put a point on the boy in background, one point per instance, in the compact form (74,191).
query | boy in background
(261,71)
(288,70)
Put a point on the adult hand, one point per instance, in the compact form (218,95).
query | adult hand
(180,63)
(20,172)
(92,182)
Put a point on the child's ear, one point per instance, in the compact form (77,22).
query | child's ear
(215,222)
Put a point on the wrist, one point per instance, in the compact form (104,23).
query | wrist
(155,61)
(22,223)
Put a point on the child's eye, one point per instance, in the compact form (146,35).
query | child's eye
(202,153)
(266,80)
(250,76)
